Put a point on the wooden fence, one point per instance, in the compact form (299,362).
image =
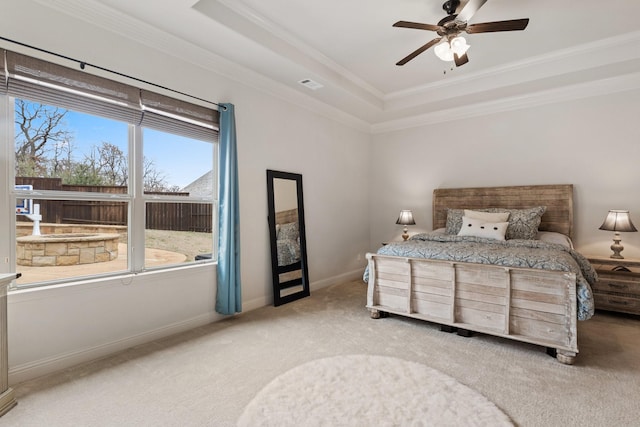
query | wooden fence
(159,215)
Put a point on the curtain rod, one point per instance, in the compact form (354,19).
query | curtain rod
(84,64)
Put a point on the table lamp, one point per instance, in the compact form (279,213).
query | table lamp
(405,218)
(617,221)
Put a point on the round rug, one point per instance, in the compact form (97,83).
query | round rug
(363,390)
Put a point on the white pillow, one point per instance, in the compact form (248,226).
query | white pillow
(481,228)
(487,216)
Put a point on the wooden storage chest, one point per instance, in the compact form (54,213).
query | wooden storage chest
(530,305)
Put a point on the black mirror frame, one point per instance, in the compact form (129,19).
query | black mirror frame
(278,298)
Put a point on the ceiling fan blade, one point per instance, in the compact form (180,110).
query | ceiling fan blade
(460,60)
(418,51)
(491,27)
(416,25)
(469,10)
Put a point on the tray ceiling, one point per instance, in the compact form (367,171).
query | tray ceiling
(350,48)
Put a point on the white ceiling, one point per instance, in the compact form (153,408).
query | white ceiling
(350,47)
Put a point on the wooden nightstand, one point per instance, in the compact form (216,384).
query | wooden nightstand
(392,241)
(618,285)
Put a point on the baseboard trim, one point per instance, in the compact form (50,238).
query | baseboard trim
(7,401)
(31,370)
(341,278)
(28,371)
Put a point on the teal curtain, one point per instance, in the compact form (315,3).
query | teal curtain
(229,296)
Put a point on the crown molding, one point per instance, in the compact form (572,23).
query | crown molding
(590,89)
(242,9)
(623,44)
(123,25)
(397,110)
(587,56)
(243,20)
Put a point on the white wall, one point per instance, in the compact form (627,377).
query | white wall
(285,193)
(593,143)
(53,328)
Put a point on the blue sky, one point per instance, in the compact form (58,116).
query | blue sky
(180,160)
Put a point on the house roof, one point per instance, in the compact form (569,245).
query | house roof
(201,187)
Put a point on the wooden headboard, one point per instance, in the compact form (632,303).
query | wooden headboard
(285,217)
(557,198)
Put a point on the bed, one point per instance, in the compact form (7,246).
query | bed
(531,287)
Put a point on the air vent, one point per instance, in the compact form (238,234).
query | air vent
(310,84)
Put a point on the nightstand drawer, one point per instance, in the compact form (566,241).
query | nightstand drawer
(618,284)
(617,303)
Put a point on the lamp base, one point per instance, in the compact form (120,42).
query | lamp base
(617,247)
(405,234)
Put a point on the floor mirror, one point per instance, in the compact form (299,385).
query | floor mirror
(287,237)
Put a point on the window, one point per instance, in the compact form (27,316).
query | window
(173,226)
(101,169)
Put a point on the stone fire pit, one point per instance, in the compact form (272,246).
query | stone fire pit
(51,250)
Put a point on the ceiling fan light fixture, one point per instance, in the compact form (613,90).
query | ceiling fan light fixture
(449,46)
(443,51)
(459,46)
(447,49)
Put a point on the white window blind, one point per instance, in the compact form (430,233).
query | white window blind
(44,82)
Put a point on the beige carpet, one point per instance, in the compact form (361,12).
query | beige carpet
(364,390)
(206,377)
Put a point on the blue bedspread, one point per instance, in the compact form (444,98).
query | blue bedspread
(507,253)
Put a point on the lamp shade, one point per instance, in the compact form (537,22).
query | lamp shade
(405,218)
(618,220)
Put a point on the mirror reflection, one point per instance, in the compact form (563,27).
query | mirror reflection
(287,236)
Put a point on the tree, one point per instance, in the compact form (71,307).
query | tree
(61,163)
(153,179)
(45,148)
(112,164)
(84,174)
(37,126)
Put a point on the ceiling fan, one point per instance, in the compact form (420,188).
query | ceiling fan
(454,47)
